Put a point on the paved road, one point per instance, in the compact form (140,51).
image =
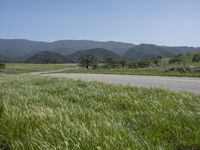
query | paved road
(172,83)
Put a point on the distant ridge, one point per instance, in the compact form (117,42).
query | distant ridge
(100,53)
(19,50)
(46,57)
(148,51)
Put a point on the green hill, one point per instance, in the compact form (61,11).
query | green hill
(46,57)
(18,50)
(186,61)
(100,53)
(148,51)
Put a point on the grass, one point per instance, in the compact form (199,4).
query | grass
(17,68)
(140,71)
(187,61)
(50,113)
(153,70)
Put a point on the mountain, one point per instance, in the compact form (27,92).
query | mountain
(69,46)
(46,57)
(148,51)
(100,53)
(18,50)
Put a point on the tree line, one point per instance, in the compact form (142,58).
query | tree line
(90,61)
(179,58)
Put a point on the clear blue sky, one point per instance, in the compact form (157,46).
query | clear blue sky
(163,22)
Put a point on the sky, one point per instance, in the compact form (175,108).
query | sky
(162,22)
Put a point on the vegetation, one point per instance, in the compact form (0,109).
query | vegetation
(196,58)
(46,57)
(2,65)
(21,50)
(25,68)
(50,113)
(87,61)
(147,51)
(157,60)
(100,53)
(177,59)
(138,71)
(187,61)
(157,66)
(111,63)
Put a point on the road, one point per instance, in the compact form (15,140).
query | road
(172,83)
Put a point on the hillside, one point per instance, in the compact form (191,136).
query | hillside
(46,57)
(18,50)
(148,51)
(69,46)
(187,60)
(100,53)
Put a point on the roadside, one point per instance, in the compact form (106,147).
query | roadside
(140,71)
(184,84)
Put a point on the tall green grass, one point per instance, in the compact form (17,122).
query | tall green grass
(50,113)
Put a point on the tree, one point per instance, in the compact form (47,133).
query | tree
(156,61)
(2,65)
(143,64)
(176,59)
(111,63)
(133,65)
(123,63)
(54,61)
(196,58)
(87,61)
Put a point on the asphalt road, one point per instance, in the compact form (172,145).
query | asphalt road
(172,83)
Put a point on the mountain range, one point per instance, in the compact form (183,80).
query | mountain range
(19,50)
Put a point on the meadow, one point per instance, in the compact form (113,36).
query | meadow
(18,68)
(152,71)
(50,113)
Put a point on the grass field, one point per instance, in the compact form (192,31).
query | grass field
(152,70)
(140,71)
(187,61)
(14,68)
(50,113)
